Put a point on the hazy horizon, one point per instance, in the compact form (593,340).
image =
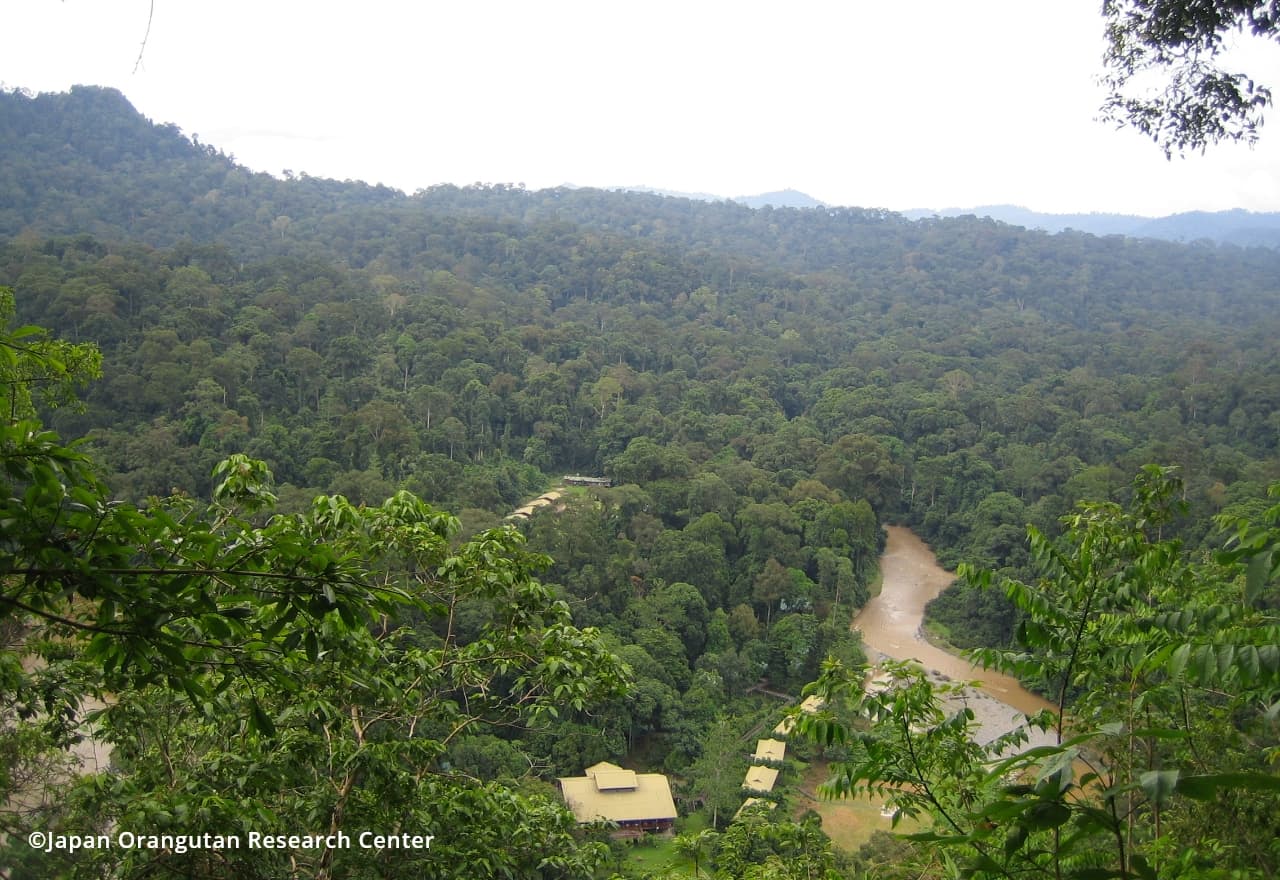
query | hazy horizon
(953,105)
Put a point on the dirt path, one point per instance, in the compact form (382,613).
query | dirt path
(891,625)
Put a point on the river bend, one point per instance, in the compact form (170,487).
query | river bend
(891,622)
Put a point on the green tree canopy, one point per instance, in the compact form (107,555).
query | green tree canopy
(273,673)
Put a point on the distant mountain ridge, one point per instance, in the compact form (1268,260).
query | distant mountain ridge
(68,157)
(1236,226)
(783,198)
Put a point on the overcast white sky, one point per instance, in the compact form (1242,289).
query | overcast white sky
(931,104)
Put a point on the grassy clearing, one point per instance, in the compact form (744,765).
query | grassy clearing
(657,853)
(653,854)
(849,823)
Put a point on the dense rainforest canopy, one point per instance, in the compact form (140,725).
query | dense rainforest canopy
(764,388)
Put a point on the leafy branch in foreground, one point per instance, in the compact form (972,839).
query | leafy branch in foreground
(1182,43)
(1161,760)
(305,672)
(291,674)
(275,674)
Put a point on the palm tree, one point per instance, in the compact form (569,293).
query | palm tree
(694,845)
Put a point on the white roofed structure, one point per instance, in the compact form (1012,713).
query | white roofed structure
(812,704)
(760,779)
(635,802)
(771,750)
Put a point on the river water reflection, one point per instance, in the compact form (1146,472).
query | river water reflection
(890,622)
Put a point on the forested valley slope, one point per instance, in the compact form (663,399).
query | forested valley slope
(764,388)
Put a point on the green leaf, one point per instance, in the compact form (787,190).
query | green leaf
(1248,663)
(1142,867)
(1256,575)
(1047,814)
(1205,664)
(982,864)
(260,720)
(1159,784)
(1015,839)
(1003,811)
(1204,787)
(1056,774)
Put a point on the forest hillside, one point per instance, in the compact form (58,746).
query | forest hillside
(478,341)
(764,388)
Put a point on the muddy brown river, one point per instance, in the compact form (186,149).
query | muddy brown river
(891,622)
